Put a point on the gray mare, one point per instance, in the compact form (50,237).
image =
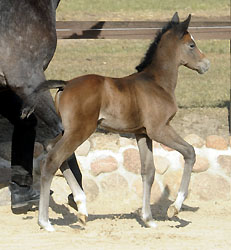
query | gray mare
(27,44)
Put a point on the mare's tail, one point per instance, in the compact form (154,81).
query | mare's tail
(51,84)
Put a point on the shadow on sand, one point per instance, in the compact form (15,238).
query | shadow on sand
(159,211)
(68,218)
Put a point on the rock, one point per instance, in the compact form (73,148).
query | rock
(91,189)
(216,142)
(161,164)
(155,144)
(225,163)
(114,187)
(132,160)
(104,142)
(5,150)
(166,148)
(172,180)
(5,197)
(4,163)
(201,164)
(156,193)
(83,149)
(5,176)
(103,165)
(61,189)
(208,186)
(123,141)
(195,140)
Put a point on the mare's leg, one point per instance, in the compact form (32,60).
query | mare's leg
(73,165)
(148,175)
(23,138)
(170,138)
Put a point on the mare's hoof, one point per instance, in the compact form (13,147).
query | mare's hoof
(47,226)
(82,218)
(172,211)
(26,112)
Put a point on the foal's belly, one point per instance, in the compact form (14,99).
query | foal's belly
(120,126)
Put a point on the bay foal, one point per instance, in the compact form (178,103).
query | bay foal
(143,103)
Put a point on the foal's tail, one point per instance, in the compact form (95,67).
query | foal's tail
(51,84)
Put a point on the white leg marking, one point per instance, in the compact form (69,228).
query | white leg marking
(46,225)
(80,199)
(179,200)
(151,223)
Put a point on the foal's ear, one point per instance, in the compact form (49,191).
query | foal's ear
(175,18)
(182,27)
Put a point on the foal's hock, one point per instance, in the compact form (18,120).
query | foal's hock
(142,103)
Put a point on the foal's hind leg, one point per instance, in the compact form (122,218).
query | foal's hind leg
(45,183)
(78,193)
(170,138)
(148,175)
(56,156)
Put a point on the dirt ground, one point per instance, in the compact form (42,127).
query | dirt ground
(201,225)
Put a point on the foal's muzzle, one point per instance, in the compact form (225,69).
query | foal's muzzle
(203,66)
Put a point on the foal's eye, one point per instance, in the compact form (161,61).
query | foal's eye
(192,45)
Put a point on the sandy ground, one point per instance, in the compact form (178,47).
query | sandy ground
(201,225)
(115,224)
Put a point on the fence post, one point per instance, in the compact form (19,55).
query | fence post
(230,88)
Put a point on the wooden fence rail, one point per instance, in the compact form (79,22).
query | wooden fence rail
(140,30)
(136,30)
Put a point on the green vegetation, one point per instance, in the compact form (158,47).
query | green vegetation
(118,58)
(137,9)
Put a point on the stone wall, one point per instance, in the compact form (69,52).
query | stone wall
(110,166)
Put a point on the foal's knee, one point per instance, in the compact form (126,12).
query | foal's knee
(190,155)
(49,167)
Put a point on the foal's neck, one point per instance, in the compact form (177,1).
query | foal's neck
(164,68)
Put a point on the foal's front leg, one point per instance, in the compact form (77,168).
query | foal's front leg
(148,175)
(171,139)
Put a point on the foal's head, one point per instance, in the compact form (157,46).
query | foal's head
(187,51)
(174,44)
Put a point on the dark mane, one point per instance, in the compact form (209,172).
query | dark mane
(153,46)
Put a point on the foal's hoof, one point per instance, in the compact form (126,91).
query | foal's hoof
(47,226)
(150,224)
(82,218)
(172,211)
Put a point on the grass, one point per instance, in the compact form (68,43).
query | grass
(118,58)
(198,95)
(138,10)
(212,88)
